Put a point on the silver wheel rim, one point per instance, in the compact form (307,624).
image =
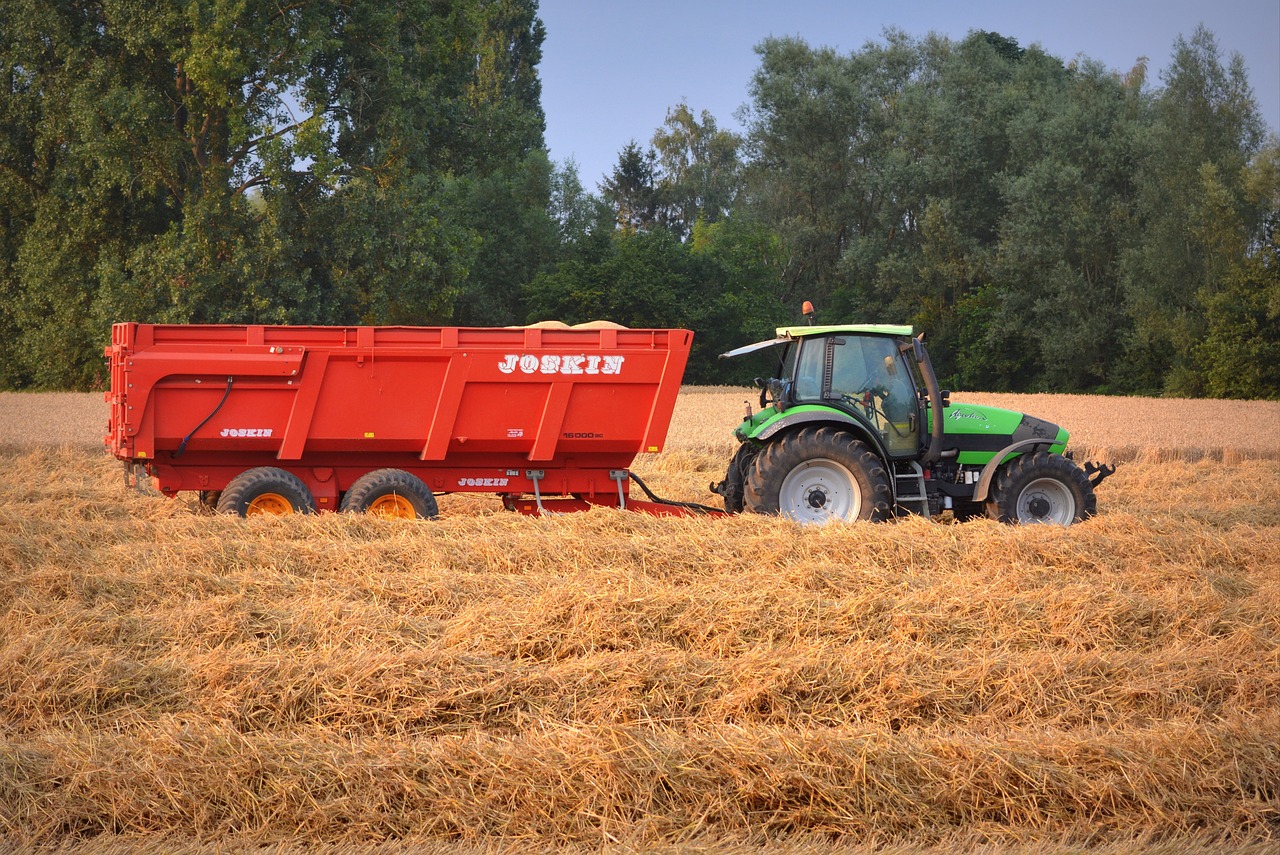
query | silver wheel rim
(1046,500)
(819,491)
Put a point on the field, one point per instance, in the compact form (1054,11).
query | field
(176,681)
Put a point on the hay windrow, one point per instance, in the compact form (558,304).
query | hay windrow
(181,681)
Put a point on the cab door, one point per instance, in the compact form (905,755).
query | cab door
(869,377)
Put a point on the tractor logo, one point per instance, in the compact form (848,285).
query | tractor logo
(958,414)
(532,363)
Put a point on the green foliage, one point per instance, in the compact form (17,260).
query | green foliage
(1203,130)
(1241,350)
(1239,356)
(219,161)
(632,187)
(699,171)
(717,284)
(516,238)
(1052,226)
(1039,219)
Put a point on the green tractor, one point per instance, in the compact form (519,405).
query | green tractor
(853,426)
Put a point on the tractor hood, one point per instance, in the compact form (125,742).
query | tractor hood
(978,432)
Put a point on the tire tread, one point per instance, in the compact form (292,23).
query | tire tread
(250,484)
(780,457)
(1025,468)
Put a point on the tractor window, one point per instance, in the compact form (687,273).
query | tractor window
(870,376)
(787,371)
(809,371)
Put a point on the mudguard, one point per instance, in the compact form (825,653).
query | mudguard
(808,414)
(989,471)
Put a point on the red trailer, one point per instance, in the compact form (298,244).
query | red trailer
(281,419)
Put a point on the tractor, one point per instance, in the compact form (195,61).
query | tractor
(853,426)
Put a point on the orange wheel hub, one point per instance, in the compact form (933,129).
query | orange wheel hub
(391,505)
(269,503)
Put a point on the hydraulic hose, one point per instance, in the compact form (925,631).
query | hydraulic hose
(653,497)
(182,446)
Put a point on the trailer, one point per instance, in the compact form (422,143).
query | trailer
(281,419)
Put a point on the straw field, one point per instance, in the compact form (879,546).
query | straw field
(176,681)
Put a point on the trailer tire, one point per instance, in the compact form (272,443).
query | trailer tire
(266,490)
(819,475)
(391,493)
(1041,488)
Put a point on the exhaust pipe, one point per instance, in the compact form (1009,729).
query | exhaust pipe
(935,399)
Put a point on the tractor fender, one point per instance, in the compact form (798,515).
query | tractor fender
(831,417)
(989,471)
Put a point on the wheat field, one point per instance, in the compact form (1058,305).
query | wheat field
(174,681)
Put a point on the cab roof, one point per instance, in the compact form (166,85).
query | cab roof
(786,334)
(853,329)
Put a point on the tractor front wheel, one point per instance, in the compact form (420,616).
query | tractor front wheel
(818,475)
(1041,488)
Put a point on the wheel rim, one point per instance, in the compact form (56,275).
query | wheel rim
(819,491)
(1046,500)
(269,503)
(394,506)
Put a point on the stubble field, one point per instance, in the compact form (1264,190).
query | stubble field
(176,681)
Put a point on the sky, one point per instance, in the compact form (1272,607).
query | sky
(610,69)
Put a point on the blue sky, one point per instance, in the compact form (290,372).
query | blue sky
(610,69)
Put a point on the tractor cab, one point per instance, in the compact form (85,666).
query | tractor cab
(875,375)
(863,373)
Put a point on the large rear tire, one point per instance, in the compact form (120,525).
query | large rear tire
(735,478)
(1041,488)
(819,475)
(391,493)
(266,490)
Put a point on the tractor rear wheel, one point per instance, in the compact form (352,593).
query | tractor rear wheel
(1041,488)
(391,493)
(818,475)
(735,477)
(266,490)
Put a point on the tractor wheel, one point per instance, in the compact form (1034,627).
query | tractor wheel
(1041,488)
(391,493)
(266,490)
(818,475)
(735,477)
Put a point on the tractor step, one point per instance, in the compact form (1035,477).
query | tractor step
(908,487)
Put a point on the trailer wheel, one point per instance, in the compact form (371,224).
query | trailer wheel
(391,493)
(819,475)
(266,490)
(1041,488)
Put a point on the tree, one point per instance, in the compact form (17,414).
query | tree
(1239,356)
(1204,116)
(632,187)
(698,170)
(211,160)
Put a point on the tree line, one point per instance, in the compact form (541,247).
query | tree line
(1052,226)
